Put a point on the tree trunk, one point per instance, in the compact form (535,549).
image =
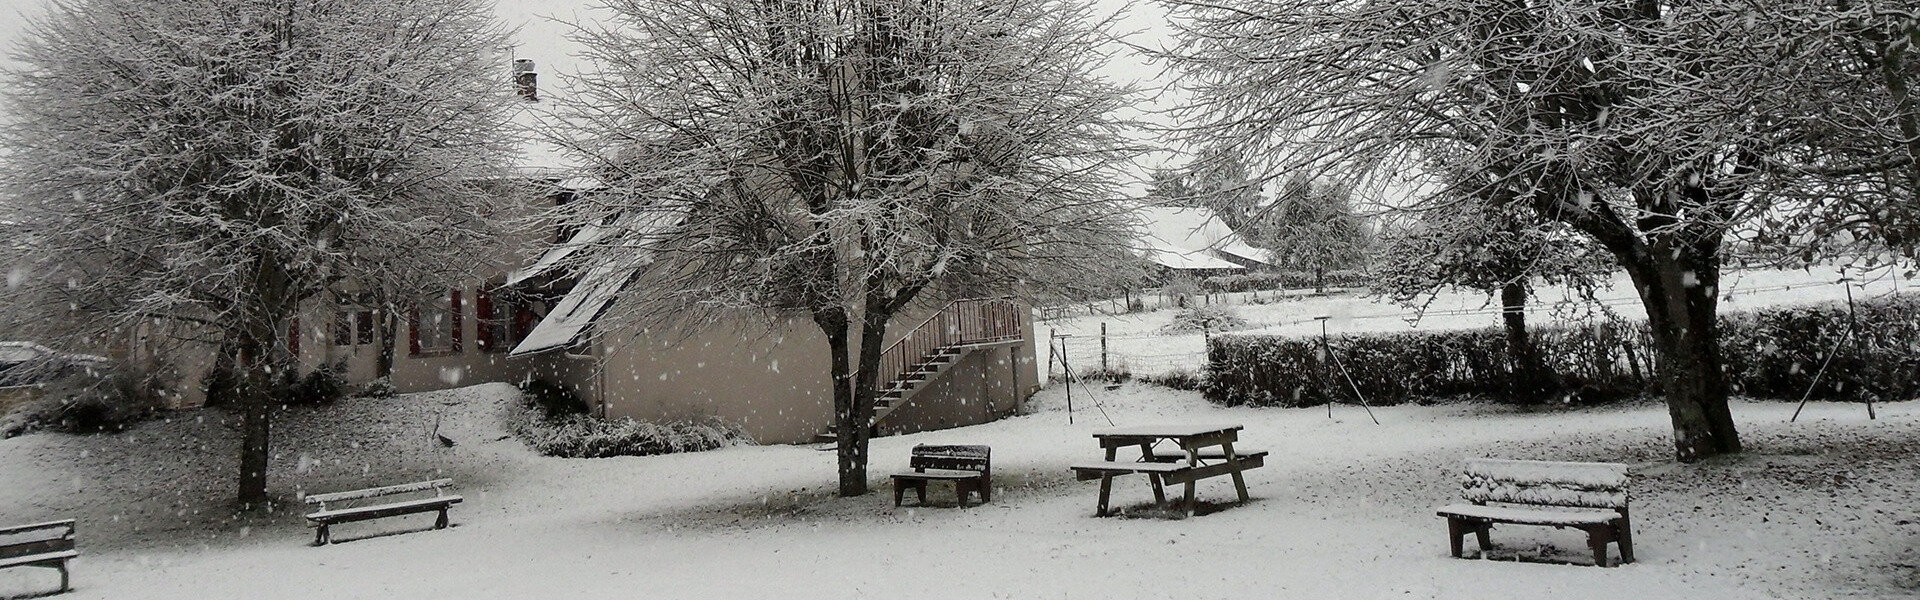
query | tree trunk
(255,394)
(853,450)
(1319,280)
(1677,286)
(1532,380)
(389,335)
(848,424)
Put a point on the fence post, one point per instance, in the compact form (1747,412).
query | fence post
(1103,348)
(1051,335)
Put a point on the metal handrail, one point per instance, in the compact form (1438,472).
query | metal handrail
(959,323)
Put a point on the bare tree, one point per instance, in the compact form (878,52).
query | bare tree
(1312,226)
(1497,250)
(205,166)
(1656,129)
(847,159)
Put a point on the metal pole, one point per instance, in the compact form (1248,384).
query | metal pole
(1103,348)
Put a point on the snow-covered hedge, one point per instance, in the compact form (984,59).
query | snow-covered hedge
(583,436)
(1772,353)
(1282,280)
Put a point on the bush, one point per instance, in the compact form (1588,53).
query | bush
(1179,379)
(1281,280)
(1772,353)
(85,403)
(582,436)
(1218,317)
(552,399)
(323,385)
(378,388)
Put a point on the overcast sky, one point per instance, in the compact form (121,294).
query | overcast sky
(541,38)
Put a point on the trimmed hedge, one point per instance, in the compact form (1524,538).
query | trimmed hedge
(1772,353)
(1281,280)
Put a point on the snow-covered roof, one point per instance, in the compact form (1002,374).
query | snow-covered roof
(21,352)
(587,235)
(1189,237)
(564,324)
(598,287)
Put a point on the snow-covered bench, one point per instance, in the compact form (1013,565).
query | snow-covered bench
(39,545)
(1591,497)
(325,517)
(969,467)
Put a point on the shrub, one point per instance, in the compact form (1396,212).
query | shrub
(552,399)
(1179,379)
(582,436)
(1773,353)
(323,385)
(1281,280)
(1196,318)
(86,403)
(378,388)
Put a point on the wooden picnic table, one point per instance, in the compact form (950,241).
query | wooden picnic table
(1201,451)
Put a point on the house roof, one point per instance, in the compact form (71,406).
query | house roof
(1190,237)
(614,265)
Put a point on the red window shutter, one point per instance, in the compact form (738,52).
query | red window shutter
(483,310)
(454,298)
(293,337)
(413,330)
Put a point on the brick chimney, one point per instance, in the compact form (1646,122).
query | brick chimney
(525,80)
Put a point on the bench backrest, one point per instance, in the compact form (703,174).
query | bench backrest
(1570,484)
(322,499)
(954,457)
(39,538)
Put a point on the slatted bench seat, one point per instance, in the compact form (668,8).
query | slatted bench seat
(47,545)
(326,517)
(1591,497)
(1159,475)
(969,467)
(1212,453)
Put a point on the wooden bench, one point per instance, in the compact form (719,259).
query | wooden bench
(325,517)
(1591,497)
(47,545)
(1159,475)
(969,467)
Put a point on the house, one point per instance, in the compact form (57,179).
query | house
(1195,242)
(967,362)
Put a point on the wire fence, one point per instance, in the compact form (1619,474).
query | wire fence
(1087,349)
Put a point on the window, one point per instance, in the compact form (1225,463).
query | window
(496,315)
(435,326)
(353,320)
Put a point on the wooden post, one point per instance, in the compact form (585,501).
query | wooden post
(1103,348)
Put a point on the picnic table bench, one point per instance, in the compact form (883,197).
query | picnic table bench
(47,545)
(969,467)
(326,517)
(1591,497)
(1203,451)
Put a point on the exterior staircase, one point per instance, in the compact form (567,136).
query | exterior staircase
(919,358)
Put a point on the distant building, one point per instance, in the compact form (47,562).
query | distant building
(1195,242)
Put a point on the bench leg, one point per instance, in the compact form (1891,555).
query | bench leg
(961,488)
(1159,490)
(1187,504)
(1625,538)
(986,487)
(320,535)
(65,583)
(1481,532)
(899,492)
(441,523)
(920,490)
(1239,481)
(1106,488)
(1597,539)
(1456,536)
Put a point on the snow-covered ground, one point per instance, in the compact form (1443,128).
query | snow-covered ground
(1816,509)
(1136,343)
